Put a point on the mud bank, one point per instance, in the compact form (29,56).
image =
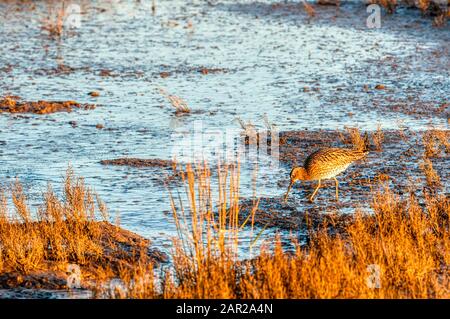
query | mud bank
(121,249)
(13,104)
(140,162)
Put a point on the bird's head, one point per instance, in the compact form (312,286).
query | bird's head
(297,174)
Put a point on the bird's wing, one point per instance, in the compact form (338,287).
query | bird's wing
(332,157)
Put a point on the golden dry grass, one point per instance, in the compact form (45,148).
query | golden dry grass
(435,142)
(352,136)
(400,249)
(406,242)
(61,231)
(309,9)
(431,176)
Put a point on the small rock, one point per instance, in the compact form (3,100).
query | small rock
(164,74)
(94,94)
(73,123)
(105,72)
(206,71)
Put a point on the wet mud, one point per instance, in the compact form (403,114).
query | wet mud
(14,104)
(140,162)
(121,249)
(226,59)
(396,162)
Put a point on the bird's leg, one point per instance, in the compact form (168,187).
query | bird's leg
(337,188)
(315,192)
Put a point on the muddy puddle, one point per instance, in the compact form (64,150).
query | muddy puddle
(226,60)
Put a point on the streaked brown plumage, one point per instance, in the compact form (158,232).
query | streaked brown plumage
(325,163)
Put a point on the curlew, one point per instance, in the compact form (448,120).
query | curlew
(325,163)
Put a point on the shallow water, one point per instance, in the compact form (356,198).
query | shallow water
(303,73)
(44,294)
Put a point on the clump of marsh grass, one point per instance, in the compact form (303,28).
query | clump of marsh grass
(353,136)
(389,5)
(205,251)
(62,231)
(309,9)
(435,141)
(248,128)
(435,8)
(378,138)
(431,176)
(72,230)
(181,107)
(54,22)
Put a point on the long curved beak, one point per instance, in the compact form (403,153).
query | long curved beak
(289,188)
